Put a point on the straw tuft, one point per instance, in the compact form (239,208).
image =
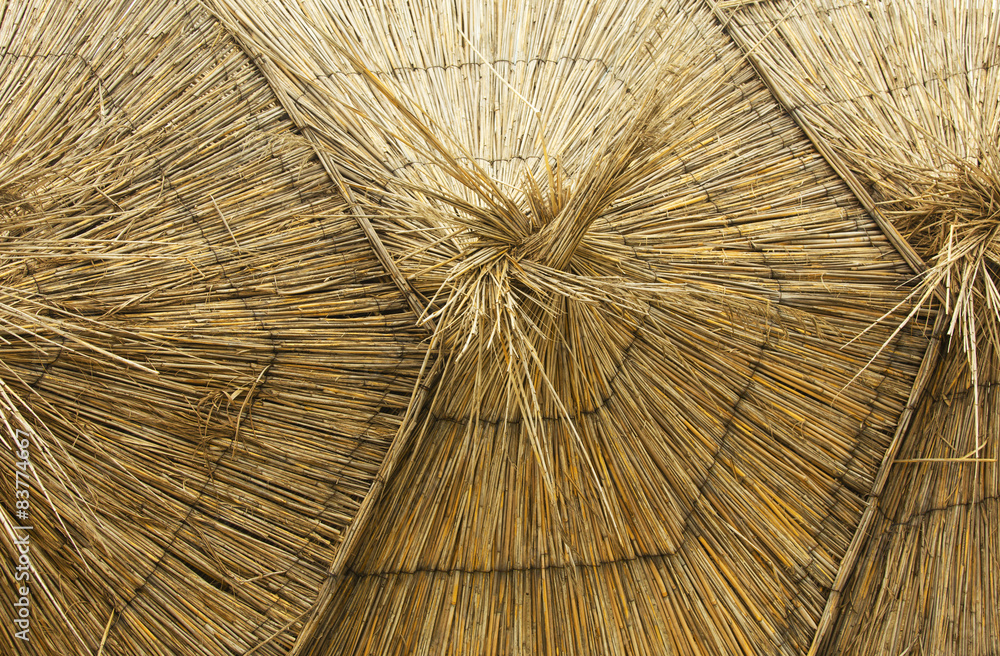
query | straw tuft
(954,223)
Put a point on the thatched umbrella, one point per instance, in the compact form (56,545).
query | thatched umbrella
(400,329)
(204,348)
(908,102)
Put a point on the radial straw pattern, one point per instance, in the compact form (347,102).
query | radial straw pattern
(203,347)
(399,328)
(620,281)
(908,101)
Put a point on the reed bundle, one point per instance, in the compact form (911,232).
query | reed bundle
(384,328)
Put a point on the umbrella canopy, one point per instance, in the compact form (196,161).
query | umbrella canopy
(203,347)
(909,102)
(401,329)
(636,318)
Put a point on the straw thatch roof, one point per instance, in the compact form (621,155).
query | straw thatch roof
(590,329)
